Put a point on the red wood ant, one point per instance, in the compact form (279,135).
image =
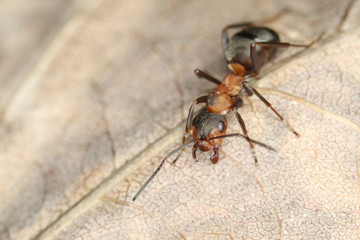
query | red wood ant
(208,132)
(246,52)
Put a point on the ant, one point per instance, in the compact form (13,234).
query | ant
(245,52)
(208,132)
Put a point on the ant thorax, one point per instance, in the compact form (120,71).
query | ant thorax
(233,84)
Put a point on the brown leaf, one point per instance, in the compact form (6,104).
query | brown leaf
(106,100)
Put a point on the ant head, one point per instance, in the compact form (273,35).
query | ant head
(206,126)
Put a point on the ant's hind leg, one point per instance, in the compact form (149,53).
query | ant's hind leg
(224,32)
(248,88)
(254,56)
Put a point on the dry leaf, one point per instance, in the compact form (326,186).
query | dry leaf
(106,101)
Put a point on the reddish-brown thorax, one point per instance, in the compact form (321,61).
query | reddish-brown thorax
(219,100)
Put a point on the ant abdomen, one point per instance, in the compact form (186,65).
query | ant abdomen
(238,47)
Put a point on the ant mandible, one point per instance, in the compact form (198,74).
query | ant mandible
(246,52)
(208,132)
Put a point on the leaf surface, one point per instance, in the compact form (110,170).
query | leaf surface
(107,99)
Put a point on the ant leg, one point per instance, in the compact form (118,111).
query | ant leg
(248,88)
(237,104)
(202,74)
(188,126)
(254,56)
(224,33)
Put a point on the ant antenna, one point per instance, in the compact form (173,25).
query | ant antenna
(243,136)
(159,167)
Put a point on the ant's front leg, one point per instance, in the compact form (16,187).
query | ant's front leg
(188,126)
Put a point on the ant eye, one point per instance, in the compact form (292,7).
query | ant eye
(221,126)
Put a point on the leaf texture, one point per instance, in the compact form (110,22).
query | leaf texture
(93,110)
